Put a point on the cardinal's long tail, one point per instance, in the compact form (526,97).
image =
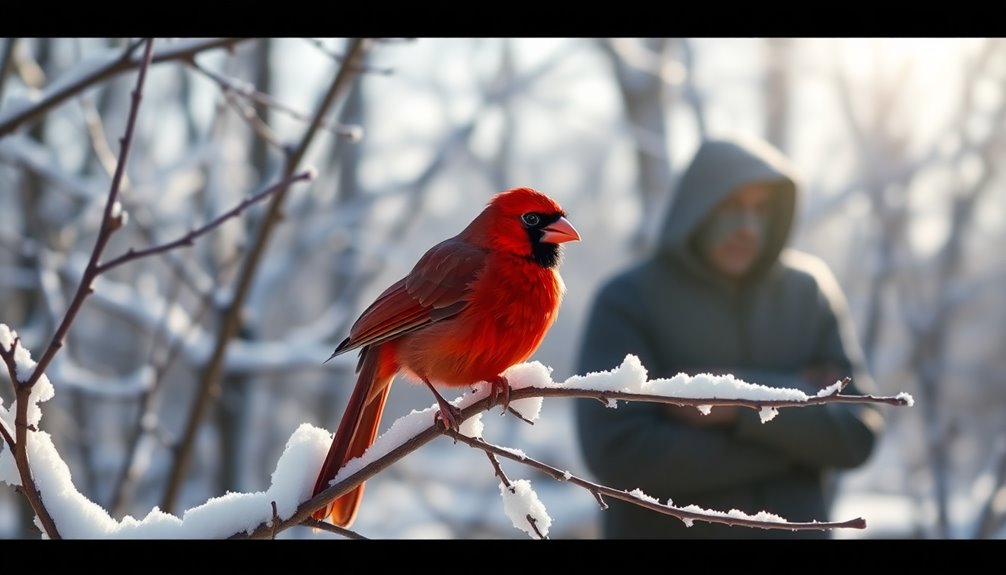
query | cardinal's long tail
(357,430)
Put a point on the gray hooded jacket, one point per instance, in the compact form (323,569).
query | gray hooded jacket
(677,314)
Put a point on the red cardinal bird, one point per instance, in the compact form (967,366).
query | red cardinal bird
(474,305)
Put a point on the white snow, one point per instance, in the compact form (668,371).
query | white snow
(24,367)
(519,501)
(631,377)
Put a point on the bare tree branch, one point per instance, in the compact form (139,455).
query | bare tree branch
(189,238)
(57,94)
(434,430)
(109,224)
(7,355)
(111,221)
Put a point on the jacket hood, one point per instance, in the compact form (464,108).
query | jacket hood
(717,168)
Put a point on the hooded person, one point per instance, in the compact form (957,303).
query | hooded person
(722,293)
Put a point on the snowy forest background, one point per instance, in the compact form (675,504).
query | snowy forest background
(900,143)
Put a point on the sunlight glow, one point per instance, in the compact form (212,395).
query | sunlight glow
(923,54)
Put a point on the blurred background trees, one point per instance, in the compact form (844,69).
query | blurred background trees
(899,141)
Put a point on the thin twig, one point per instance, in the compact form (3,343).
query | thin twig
(189,238)
(648,503)
(534,525)
(498,469)
(109,225)
(518,415)
(8,439)
(8,358)
(324,526)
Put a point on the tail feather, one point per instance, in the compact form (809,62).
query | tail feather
(357,432)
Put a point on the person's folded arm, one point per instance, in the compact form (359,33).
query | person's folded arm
(638,444)
(836,435)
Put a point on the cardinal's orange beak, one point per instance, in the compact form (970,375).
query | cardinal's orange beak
(560,231)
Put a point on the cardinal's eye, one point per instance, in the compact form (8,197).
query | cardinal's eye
(531,219)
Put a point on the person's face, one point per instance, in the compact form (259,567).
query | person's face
(740,223)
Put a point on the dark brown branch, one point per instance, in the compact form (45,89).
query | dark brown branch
(21,429)
(345,484)
(210,377)
(642,501)
(108,226)
(534,525)
(8,358)
(113,68)
(189,238)
(498,469)
(324,526)
(8,439)
(518,415)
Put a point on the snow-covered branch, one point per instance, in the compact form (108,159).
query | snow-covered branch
(531,382)
(288,502)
